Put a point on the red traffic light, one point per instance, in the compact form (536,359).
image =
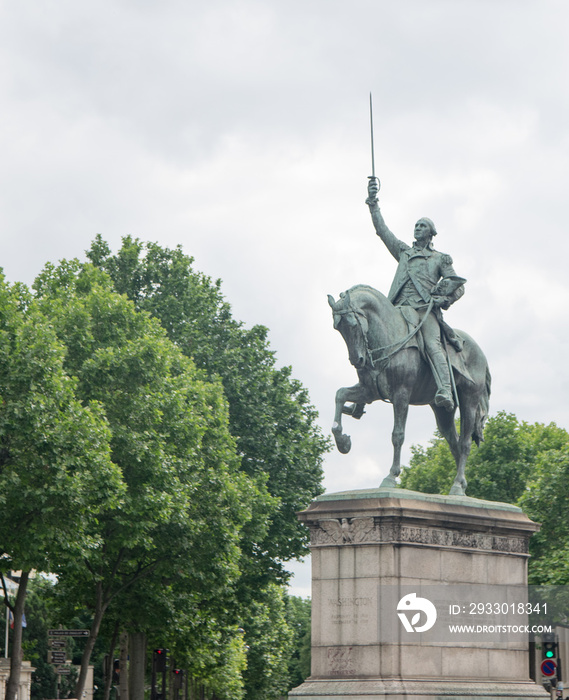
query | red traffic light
(160,657)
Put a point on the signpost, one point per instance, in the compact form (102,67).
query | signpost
(57,654)
(57,657)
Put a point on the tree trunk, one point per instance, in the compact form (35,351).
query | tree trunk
(123,666)
(137,667)
(13,684)
(109,669)
(93,634)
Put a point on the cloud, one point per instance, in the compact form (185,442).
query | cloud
(240,130)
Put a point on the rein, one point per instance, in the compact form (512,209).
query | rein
(397,346)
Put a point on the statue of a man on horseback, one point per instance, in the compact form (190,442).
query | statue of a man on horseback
(404,352)
(425,281)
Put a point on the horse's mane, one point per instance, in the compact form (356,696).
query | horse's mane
(366,288)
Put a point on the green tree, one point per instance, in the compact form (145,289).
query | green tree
(498,470)
(270,415)
(269,639)
(42,616)
(546,500)
(298,612)
(518,462)
(56,474)
(185,500)
(278,441)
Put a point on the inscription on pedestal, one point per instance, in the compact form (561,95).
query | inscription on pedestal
(351,611)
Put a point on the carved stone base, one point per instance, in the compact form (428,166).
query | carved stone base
(369,545)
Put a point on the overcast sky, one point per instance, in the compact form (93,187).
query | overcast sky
(240,130)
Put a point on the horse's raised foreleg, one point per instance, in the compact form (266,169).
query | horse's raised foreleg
(355,394)
(400,411)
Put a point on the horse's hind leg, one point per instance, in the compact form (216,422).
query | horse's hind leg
(467,419)
(447,427)
(400,412)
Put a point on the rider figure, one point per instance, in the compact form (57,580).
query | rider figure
(426,281)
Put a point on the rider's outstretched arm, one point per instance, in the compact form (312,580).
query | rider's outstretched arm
(394,245)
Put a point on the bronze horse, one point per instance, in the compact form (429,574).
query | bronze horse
(385,349)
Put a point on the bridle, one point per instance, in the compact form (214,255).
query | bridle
(393,348)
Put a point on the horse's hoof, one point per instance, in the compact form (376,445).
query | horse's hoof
(343,442)
(458,490)
(388,482)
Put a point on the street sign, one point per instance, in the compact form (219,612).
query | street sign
(63,671)
(57,657)
(57,643)
(68,633)
(548,667)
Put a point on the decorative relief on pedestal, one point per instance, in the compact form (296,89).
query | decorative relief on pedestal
(343,530)
(341,661)
(338,531)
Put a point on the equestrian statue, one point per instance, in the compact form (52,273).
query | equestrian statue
(406,354)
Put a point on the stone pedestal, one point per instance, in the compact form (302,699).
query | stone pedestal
(25,679)
(385,542)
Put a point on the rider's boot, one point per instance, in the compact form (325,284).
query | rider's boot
(444,396)
(356,410)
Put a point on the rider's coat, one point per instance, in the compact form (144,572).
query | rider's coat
(418,272)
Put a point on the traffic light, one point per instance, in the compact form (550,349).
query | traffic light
(178,678)
(159,666)
(160,658)
(177,682)
(116,671)
(549,646)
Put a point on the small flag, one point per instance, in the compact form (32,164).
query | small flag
(24,623)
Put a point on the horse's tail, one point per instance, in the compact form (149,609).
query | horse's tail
(482,410)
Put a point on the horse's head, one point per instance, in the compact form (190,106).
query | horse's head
(352,323)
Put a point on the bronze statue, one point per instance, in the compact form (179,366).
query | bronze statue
(406,354)
(420,269)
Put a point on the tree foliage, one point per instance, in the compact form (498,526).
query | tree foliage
(185,498)
(56,474)
(269,639)
(497,470)
(278,441)
(55,466)
(270,416)
(546,500)
(518,462)
(176,450)
(298,615)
